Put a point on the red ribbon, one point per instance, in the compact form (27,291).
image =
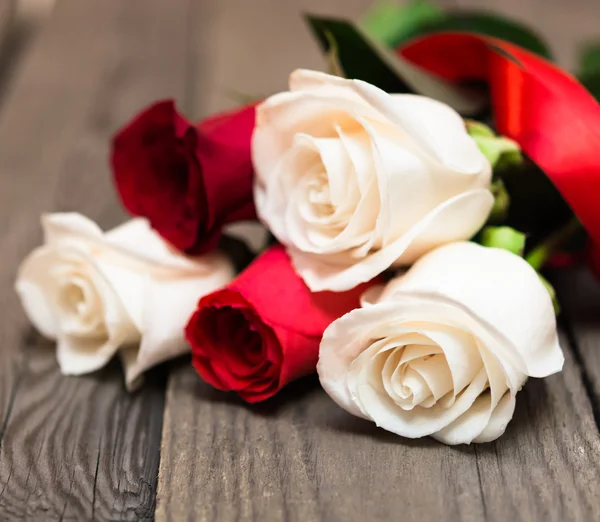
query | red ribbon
(547,111)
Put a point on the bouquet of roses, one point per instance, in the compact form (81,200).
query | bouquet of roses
(412,196)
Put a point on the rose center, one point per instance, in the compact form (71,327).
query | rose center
(319,196)
(79,306)
(416,375)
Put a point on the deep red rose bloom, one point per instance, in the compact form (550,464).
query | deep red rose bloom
(187,180)
(263,330)
(555,120)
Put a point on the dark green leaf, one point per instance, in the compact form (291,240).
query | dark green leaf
(393,25)
(536,206)
(589,61)
(589,69)
(492,25)
(362,58)
(592,83)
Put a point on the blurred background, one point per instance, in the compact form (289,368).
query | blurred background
(226,66)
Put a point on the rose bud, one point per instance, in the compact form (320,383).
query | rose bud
(354,180)
(263,330)
(445,348)
(188,181)
(121,292)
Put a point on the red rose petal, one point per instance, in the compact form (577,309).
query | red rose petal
(270,302)
(187,181)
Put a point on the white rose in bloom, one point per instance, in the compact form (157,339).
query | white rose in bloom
(446,347)
(122,291)
(353,180)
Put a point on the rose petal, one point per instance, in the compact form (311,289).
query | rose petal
(485,311)
(78,355)
(167,305)
(419,422)
(35,290)
(457,218)
(502,290)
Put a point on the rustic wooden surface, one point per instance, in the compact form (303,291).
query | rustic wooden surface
(76,448)
(83,449)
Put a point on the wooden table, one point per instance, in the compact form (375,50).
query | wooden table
(84,449)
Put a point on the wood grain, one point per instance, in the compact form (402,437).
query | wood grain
(7,15)
(83,449)
(76,448)
(579,295)
(299,457)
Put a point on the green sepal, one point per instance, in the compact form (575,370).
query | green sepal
(501,203)
(501,152)
(552,293)
(505,238)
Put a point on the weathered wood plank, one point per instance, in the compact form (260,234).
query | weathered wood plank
(253,47)
(7,16)
(299,457)
(579,295)
(76,448)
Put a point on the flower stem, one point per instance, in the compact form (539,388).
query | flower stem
(538,257)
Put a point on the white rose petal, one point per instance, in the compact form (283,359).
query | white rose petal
(443,350)
(125,291)
(354,180)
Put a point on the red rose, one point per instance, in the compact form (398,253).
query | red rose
(555,120)
(264,329)
(187,180)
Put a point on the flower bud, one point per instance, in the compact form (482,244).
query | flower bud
(504,237)
(501,152)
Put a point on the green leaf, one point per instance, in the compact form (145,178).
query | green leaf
(392,23)
(589,69)
(589,61)
(362,58)
(492,25)
(503,237)
(536,206)
(591,82)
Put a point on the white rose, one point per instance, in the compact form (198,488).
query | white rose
(446,347)
(122,291)
(354,180)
